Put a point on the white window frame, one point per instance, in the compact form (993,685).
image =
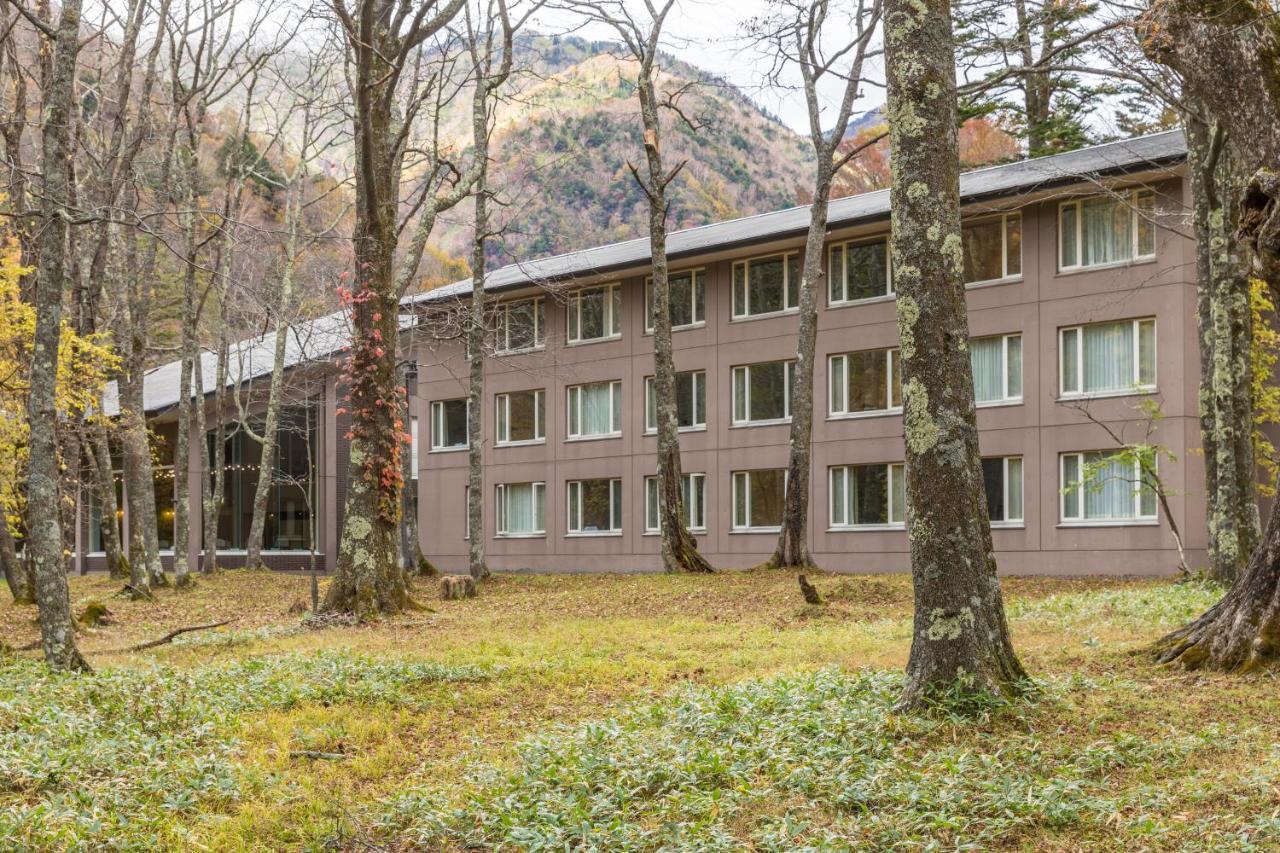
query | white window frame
(612,317)
(843,276)
(1005,275)
(843,413)
(699,380)
(653,525)
(698,308)
(1128,198)
(437,426)
(734,527)
(1022,468)
(502,415)
(1006,399)
(895,470)
(574,525)
(745,266)
(1137,520)
(1136,388)
(504,326)
(790,371)
(615,414)
(539,487)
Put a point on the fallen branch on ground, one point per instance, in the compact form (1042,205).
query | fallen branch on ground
(169,637)
(317,756)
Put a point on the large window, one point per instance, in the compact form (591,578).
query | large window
(694,491)
(866,382)
(868,496)
(1108,358)
(521,326)
(762,392)
(691,401)
(997,368)
(992,248)
(758,497)
(688,300)
(449,424)
(1002,476)
(595,410)
(1105,487)
(522,509)
(521,417)
(766,285)
(860,271)
(96,521)
(595,314)
(1113,229)
(595,507)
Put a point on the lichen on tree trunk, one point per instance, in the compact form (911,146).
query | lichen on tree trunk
(960,640)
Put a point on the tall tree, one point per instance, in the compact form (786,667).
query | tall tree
(822,44)
(57,631)
(960,638)
(384,39)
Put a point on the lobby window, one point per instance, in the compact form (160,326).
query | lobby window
(758,497)
(992,248)
(691,401)
(96,521)
(763,286)
(1108,358)
(868,496)
(595,507)
(762,392)
(688,300)
(521,417)
(522,509)
(997,368)
(595,314)
(860,271)
(865,382)
(1104,230)
(694,491)
(521,326)
(1002,477)
(449,424)
(1105,487)
(595,410)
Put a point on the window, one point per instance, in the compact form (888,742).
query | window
(413,446)
(1108,358)
(758,497)
(595,410)
(522,509)
(868,495)
(521,417)
(96,520)
(766,286)
(449,424)
(595,314)
(762,392)
(1095,232)
(595,507)
(992,248)
(860,271)
(1002,476)
(521,326)
(694,490)
(997,368)
(1106,487)
(688,300)
(691,401)
(866,382)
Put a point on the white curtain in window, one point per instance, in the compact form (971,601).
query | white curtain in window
(1109,492)
(596,412)
(1108,357)
(987,356)
(1107,235)
(520,509)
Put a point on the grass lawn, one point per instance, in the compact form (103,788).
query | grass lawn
(625,712)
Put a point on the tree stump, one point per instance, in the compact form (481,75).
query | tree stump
(808,590)
(457,587)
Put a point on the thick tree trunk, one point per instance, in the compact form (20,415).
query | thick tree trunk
(960,638)
(1226,363)
(44,544)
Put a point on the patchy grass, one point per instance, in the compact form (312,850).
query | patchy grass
(630,712)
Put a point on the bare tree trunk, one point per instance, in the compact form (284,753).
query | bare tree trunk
(188,398)
(57,631)
(99,451)
(21,584)
(960,638)
(413,559)
(476,339)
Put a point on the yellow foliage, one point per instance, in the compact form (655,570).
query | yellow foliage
(1266,394)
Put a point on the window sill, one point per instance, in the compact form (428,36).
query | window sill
(747,318)
(525,351)
(701,324)
(996,404)
(542,535)
(453,449)
(1008,525)
(733,531)
(1140,391)
(593,534)
(854,416)
(683,429)
(696,531)
(1132,262)
(605,437)
(770,422)
(531,442)
(588,341)
(865,528)
(1119,522)
(853,303)
(992,282)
